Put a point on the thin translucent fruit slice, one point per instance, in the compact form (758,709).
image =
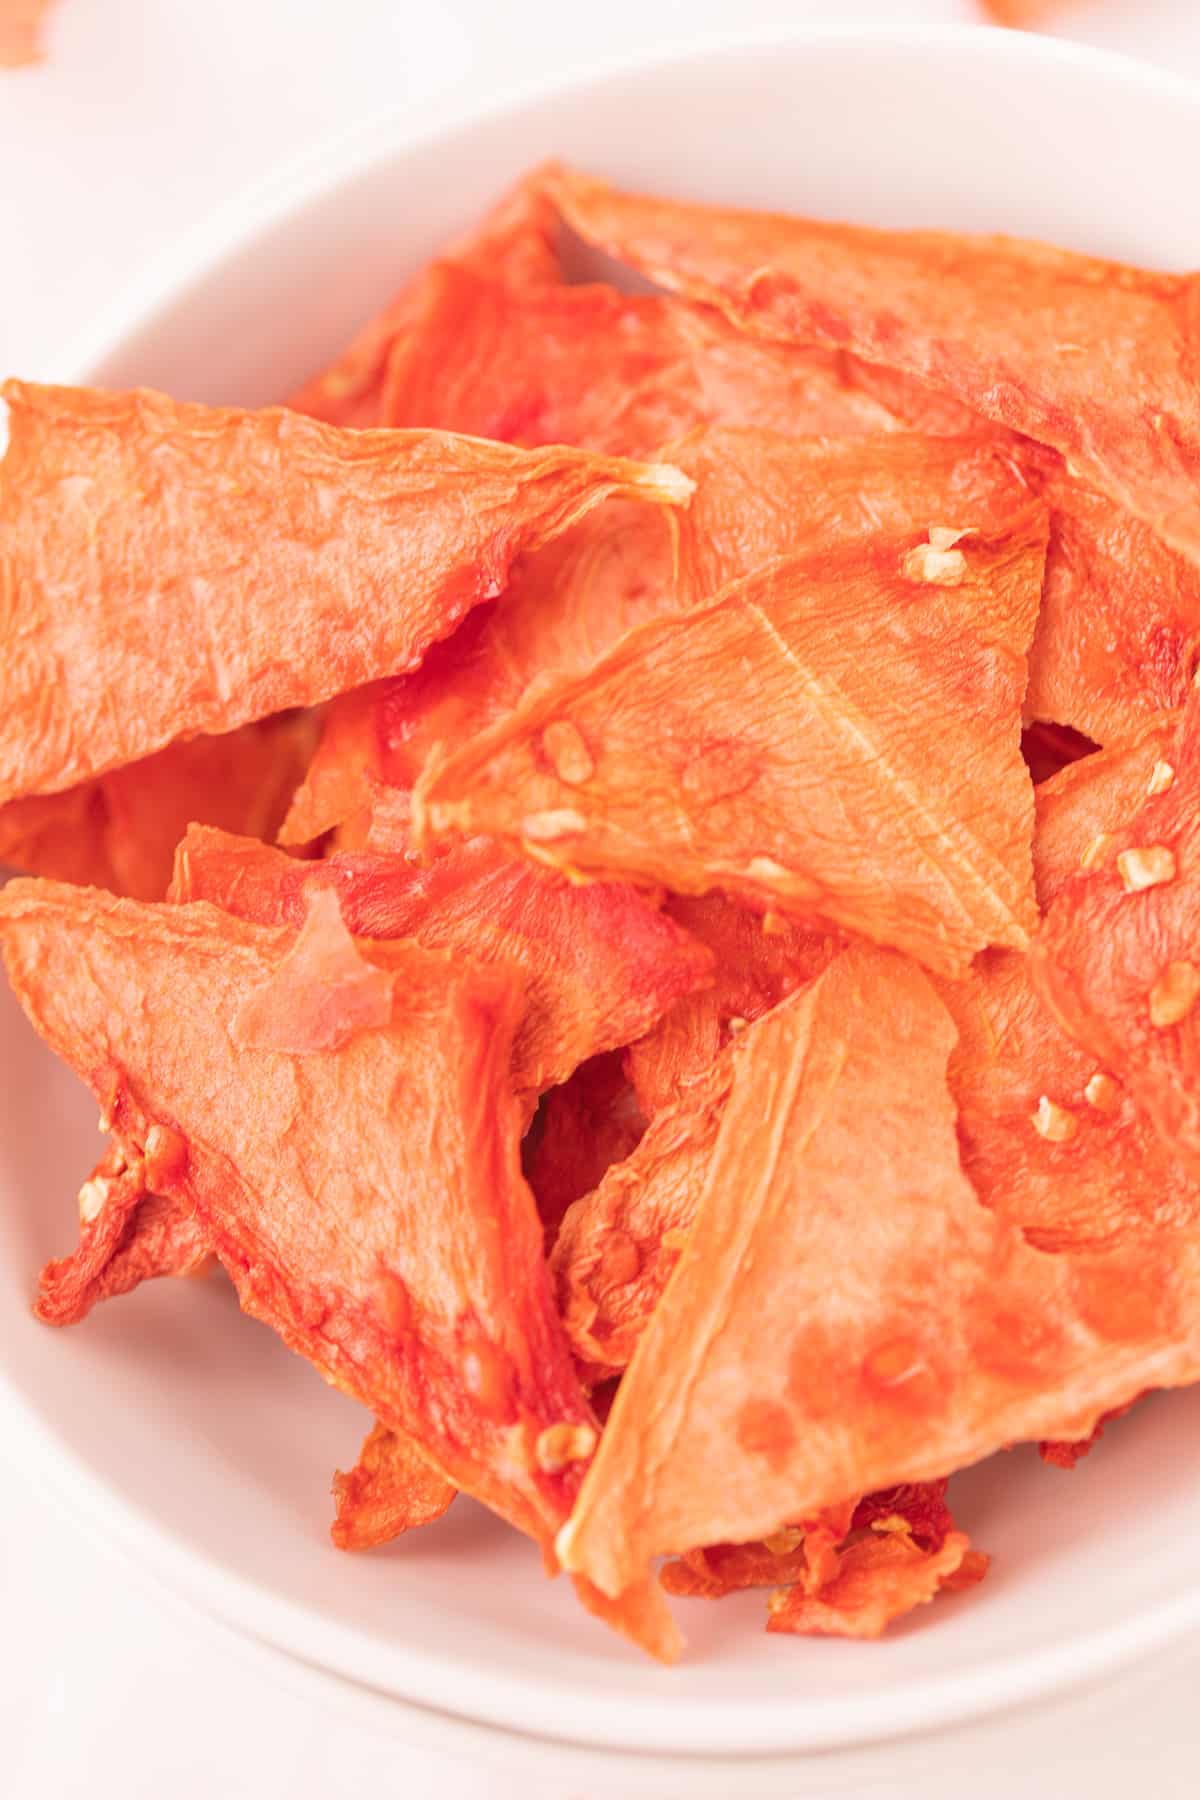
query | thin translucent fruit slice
(835,735)
(1096,359)
(925,1331)
(600,963)
(131,525)
(758,495)
(1117,958)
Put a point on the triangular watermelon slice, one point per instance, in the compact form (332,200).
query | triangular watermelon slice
(846,1315)
(777,743)
(1096,359)
(291,559)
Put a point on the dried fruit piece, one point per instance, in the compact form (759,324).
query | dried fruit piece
(925,1332)
(758,496)
(990,321)
(599,963)
(514,244)
(879,1579)
(612,371)
(121,830)
(1101,1179)
(127,1235)
(391,1489)
(1114,959)
(128,519)
(315,1178)
(776,743)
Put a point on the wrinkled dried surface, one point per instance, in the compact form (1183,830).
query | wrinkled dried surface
(127,1235)
(366,1203)
(925,1333)
(1117,958)
(1096,359)
(1102,1179)
(514,244)
(777,743)
(599,964)
(391,1489)
(120,831)
(292,559)
(879,1579)
(612,371)
(759,495)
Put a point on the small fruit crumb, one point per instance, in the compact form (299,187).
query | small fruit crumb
(544,827)
(1146,868)
(560,1445)
(1174,994)
(1161,777)
(1054,1122)
(1102,1092)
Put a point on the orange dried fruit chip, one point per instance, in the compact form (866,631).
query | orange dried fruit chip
(783,743)
(600,964)
(130,521)
(758,495)
(1116,958)
(903,1358)
(127,1235)
(515,244)
(314,1177)
(1096,359)
(391,1489)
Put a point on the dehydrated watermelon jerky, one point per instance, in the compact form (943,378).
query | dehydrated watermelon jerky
(599,963)
(1096,359)
(120,831)
(286,559)
(515,243)
(924,1332)
(785,743)
(612,371)
(1120,617)
(391,1489)
(759,495)
(366,1203)
(831,1575)
(1118,959)
(127,1235)
(882,1576)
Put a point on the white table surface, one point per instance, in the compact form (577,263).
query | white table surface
(147,115)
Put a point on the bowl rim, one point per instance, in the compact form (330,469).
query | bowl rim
(294,1629)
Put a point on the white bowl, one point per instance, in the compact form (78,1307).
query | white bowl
(184,1432)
